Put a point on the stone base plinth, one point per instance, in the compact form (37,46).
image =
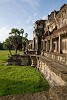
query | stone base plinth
(19,60)
(55,73)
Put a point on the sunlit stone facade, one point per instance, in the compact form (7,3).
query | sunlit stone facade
(49,47)
(51,35)
(37,35)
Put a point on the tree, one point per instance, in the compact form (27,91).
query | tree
(24,40)
(8,44)
(15,40)
(17,36)
(22,31)
(1,46)
(26,35)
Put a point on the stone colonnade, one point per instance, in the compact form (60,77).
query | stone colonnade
(54,44)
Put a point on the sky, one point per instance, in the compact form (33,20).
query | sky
(23,14)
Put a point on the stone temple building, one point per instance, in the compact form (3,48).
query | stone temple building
(48,49)
(37,35)
(48,52)
(51,35)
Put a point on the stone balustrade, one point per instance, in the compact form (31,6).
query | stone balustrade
(61,58)
(55,73)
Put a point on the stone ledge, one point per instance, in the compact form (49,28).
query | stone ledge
(60,58)
(53,68)
(62,68)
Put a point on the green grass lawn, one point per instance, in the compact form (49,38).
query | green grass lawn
(19,79)
(3,56)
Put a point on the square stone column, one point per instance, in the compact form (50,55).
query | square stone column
(60,44)
(44,45)
(51,45)
(47,45)
(36,44)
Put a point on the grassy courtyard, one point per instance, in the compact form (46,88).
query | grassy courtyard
(19,79)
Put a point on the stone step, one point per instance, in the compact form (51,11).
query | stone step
(19,60)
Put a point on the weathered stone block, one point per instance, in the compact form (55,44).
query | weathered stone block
(19,60)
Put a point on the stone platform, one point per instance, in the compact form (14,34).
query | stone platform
(54,72)
(17,59)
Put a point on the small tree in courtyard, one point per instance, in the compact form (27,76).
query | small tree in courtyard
(8,45)
(15,40)
(17,36)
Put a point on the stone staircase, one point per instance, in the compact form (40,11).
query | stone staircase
(22,60)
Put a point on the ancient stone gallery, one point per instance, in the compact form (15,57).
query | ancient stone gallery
(51,35)
(49,45)
(48,49)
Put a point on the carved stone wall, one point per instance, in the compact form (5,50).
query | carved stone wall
(52,71)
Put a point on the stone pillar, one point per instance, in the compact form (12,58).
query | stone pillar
(60,44)
(33,61)
(36,44)
(41,45)
(45,45)
(50,45)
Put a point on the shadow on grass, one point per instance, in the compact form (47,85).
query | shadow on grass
(11,87)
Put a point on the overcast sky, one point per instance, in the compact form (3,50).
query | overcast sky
(23,14)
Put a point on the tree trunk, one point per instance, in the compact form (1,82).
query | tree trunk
(16,50)
(10,52)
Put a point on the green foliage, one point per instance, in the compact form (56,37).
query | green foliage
(15,40)
(24,40)
(26,35)
(17,35)
(1,46)
(7,45)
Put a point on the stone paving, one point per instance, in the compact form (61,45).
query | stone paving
(35,96)
(54,93)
